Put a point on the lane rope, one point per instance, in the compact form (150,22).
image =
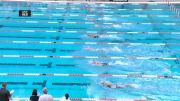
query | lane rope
(86,32)
(96,23)
(91,43)
(87,99)
(90,57)
(95,75)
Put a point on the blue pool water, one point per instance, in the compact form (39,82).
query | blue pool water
(142,38)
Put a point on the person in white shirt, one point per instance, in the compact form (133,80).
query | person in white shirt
(65,98)
(45,96)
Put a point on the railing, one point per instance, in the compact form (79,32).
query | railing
(170,3)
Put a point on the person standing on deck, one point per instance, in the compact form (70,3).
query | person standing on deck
(45,96)
(4,93)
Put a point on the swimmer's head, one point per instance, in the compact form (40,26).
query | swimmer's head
(103,82)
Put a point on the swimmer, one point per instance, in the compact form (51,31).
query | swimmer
(103,36)
(113,86)
(95,49)
(109,36)
(90,49)
(114,49)
(118,63)
(93,36)
(97,63)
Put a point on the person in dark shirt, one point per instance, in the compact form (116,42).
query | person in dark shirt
(4,93)
(34,96)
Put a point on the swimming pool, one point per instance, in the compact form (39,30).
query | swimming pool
(57,46)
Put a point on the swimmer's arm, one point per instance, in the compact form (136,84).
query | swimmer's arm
(132,85)
(118,86)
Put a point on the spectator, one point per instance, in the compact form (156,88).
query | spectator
(45,96)
(4,94)
(34,96)
(65,98)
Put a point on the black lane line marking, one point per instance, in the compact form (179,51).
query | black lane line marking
(76,28)
(71,84)
(61,50)
(56,38)
(21,49)
(51,50)
(16,83)
(29,27)
(16,64)
(33,18)
(37,10)
(67,50)
(1,26)
(9,17)
(49,65)
(74,38)
(23,37)
(75,19)
(43,84)
(65,65)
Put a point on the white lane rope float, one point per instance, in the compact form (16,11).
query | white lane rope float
(105,15)
(94,75)
(90,57)
(93,23)
(91,43)
(87,99)
(86,32)
(106,9)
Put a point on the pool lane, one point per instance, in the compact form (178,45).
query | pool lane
(78,87)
